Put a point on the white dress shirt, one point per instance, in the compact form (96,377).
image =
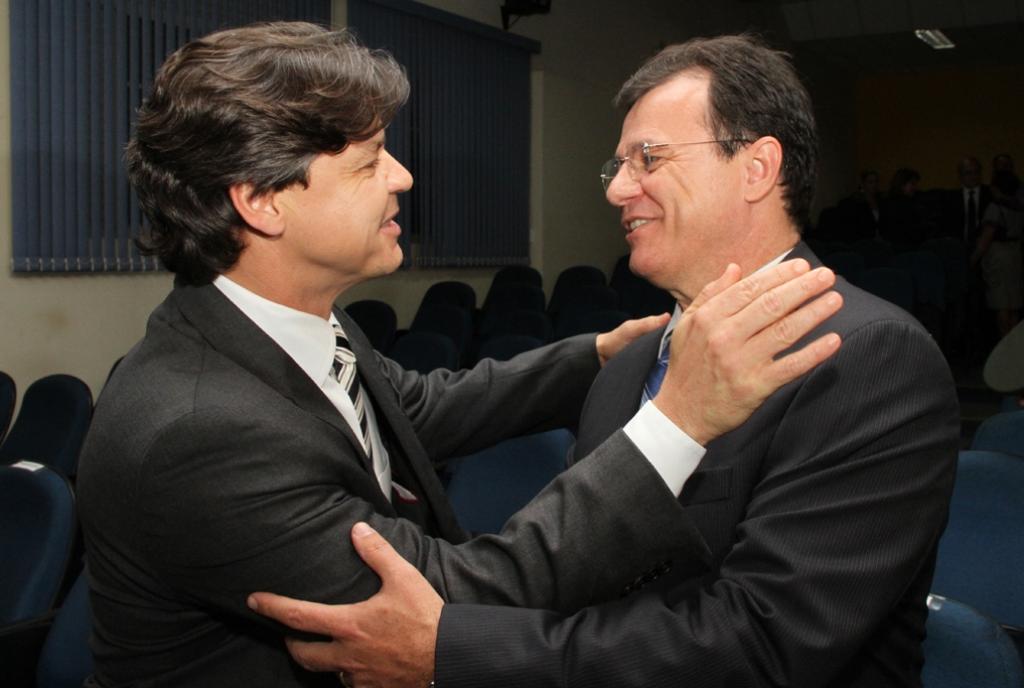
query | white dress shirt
(673,454)
(310,342)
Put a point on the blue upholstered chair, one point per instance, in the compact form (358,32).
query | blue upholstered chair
(51,425)
(377,320)
(454,322)
(451,292)
(981,554)
(65,660)
(1003,432)
(571,279)
(966,649)
(506,346)
(580,322)
(37,535)
(489,486)
(637,296)
(425,351)
(8,398)
(518,274)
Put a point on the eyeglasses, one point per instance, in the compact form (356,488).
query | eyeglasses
(641,159)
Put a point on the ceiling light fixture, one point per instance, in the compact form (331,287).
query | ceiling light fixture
(935,38)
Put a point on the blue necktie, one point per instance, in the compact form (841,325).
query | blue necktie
(657,374)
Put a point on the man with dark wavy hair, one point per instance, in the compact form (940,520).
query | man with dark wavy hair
(813,525)
(238,443)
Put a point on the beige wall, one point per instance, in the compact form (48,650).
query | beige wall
(62,323)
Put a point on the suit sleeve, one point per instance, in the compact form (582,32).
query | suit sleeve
(276,514)
(457,413)
(847,514)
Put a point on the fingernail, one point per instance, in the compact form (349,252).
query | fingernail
(361,530)
(253,604)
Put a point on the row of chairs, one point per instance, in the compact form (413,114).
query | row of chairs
(51,424)
(44,618)
(44,622)
(448,331)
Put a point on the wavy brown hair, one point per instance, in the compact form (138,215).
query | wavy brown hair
(250,105)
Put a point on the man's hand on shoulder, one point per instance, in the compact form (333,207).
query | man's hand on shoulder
(611,343)
(387,640)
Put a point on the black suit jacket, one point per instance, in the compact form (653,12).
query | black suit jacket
(818,521)
(954,213)
(214,467)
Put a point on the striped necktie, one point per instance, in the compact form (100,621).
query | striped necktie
(658,370)
(345,371)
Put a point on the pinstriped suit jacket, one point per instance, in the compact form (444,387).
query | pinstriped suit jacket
(818,521)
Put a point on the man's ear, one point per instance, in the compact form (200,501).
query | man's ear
(764,167)
(261,212)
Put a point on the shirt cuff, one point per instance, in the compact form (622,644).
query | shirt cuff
(672,453)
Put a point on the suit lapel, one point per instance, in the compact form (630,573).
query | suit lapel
(409,459)
(615,395)
(234,335)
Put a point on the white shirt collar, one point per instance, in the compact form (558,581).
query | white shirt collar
(678,312)
(307,338)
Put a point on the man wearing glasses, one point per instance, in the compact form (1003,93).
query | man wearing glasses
(814,524)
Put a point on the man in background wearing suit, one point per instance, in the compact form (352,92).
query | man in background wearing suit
(237,444)
(814,524)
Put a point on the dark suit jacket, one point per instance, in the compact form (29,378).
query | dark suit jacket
(954,212)
(818,521)
(214,467)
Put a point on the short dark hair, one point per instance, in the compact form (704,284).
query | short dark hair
(249,105)
(754,91)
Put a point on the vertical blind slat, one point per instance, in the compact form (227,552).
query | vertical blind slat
(467,124)
(79,71)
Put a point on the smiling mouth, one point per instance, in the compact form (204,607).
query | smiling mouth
(635,224)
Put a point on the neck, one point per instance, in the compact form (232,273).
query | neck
(277,286)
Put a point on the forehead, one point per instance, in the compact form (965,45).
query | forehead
(673,111)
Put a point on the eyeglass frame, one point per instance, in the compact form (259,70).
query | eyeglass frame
(645,151)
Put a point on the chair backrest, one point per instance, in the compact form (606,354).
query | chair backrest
(505,298)
(453,321)
(376,319)
(573,278)
(8,398)
(425,351)
(504,346)
(966,649)
(512,276)
(489,486)
(452,292)
(637,296)
(524,321)
(929,276)
(37,535)
(1003,432)
(51,424)
(588,297)
(580,322)
(65,660)
(518,274)
(892,284)
(981,554)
